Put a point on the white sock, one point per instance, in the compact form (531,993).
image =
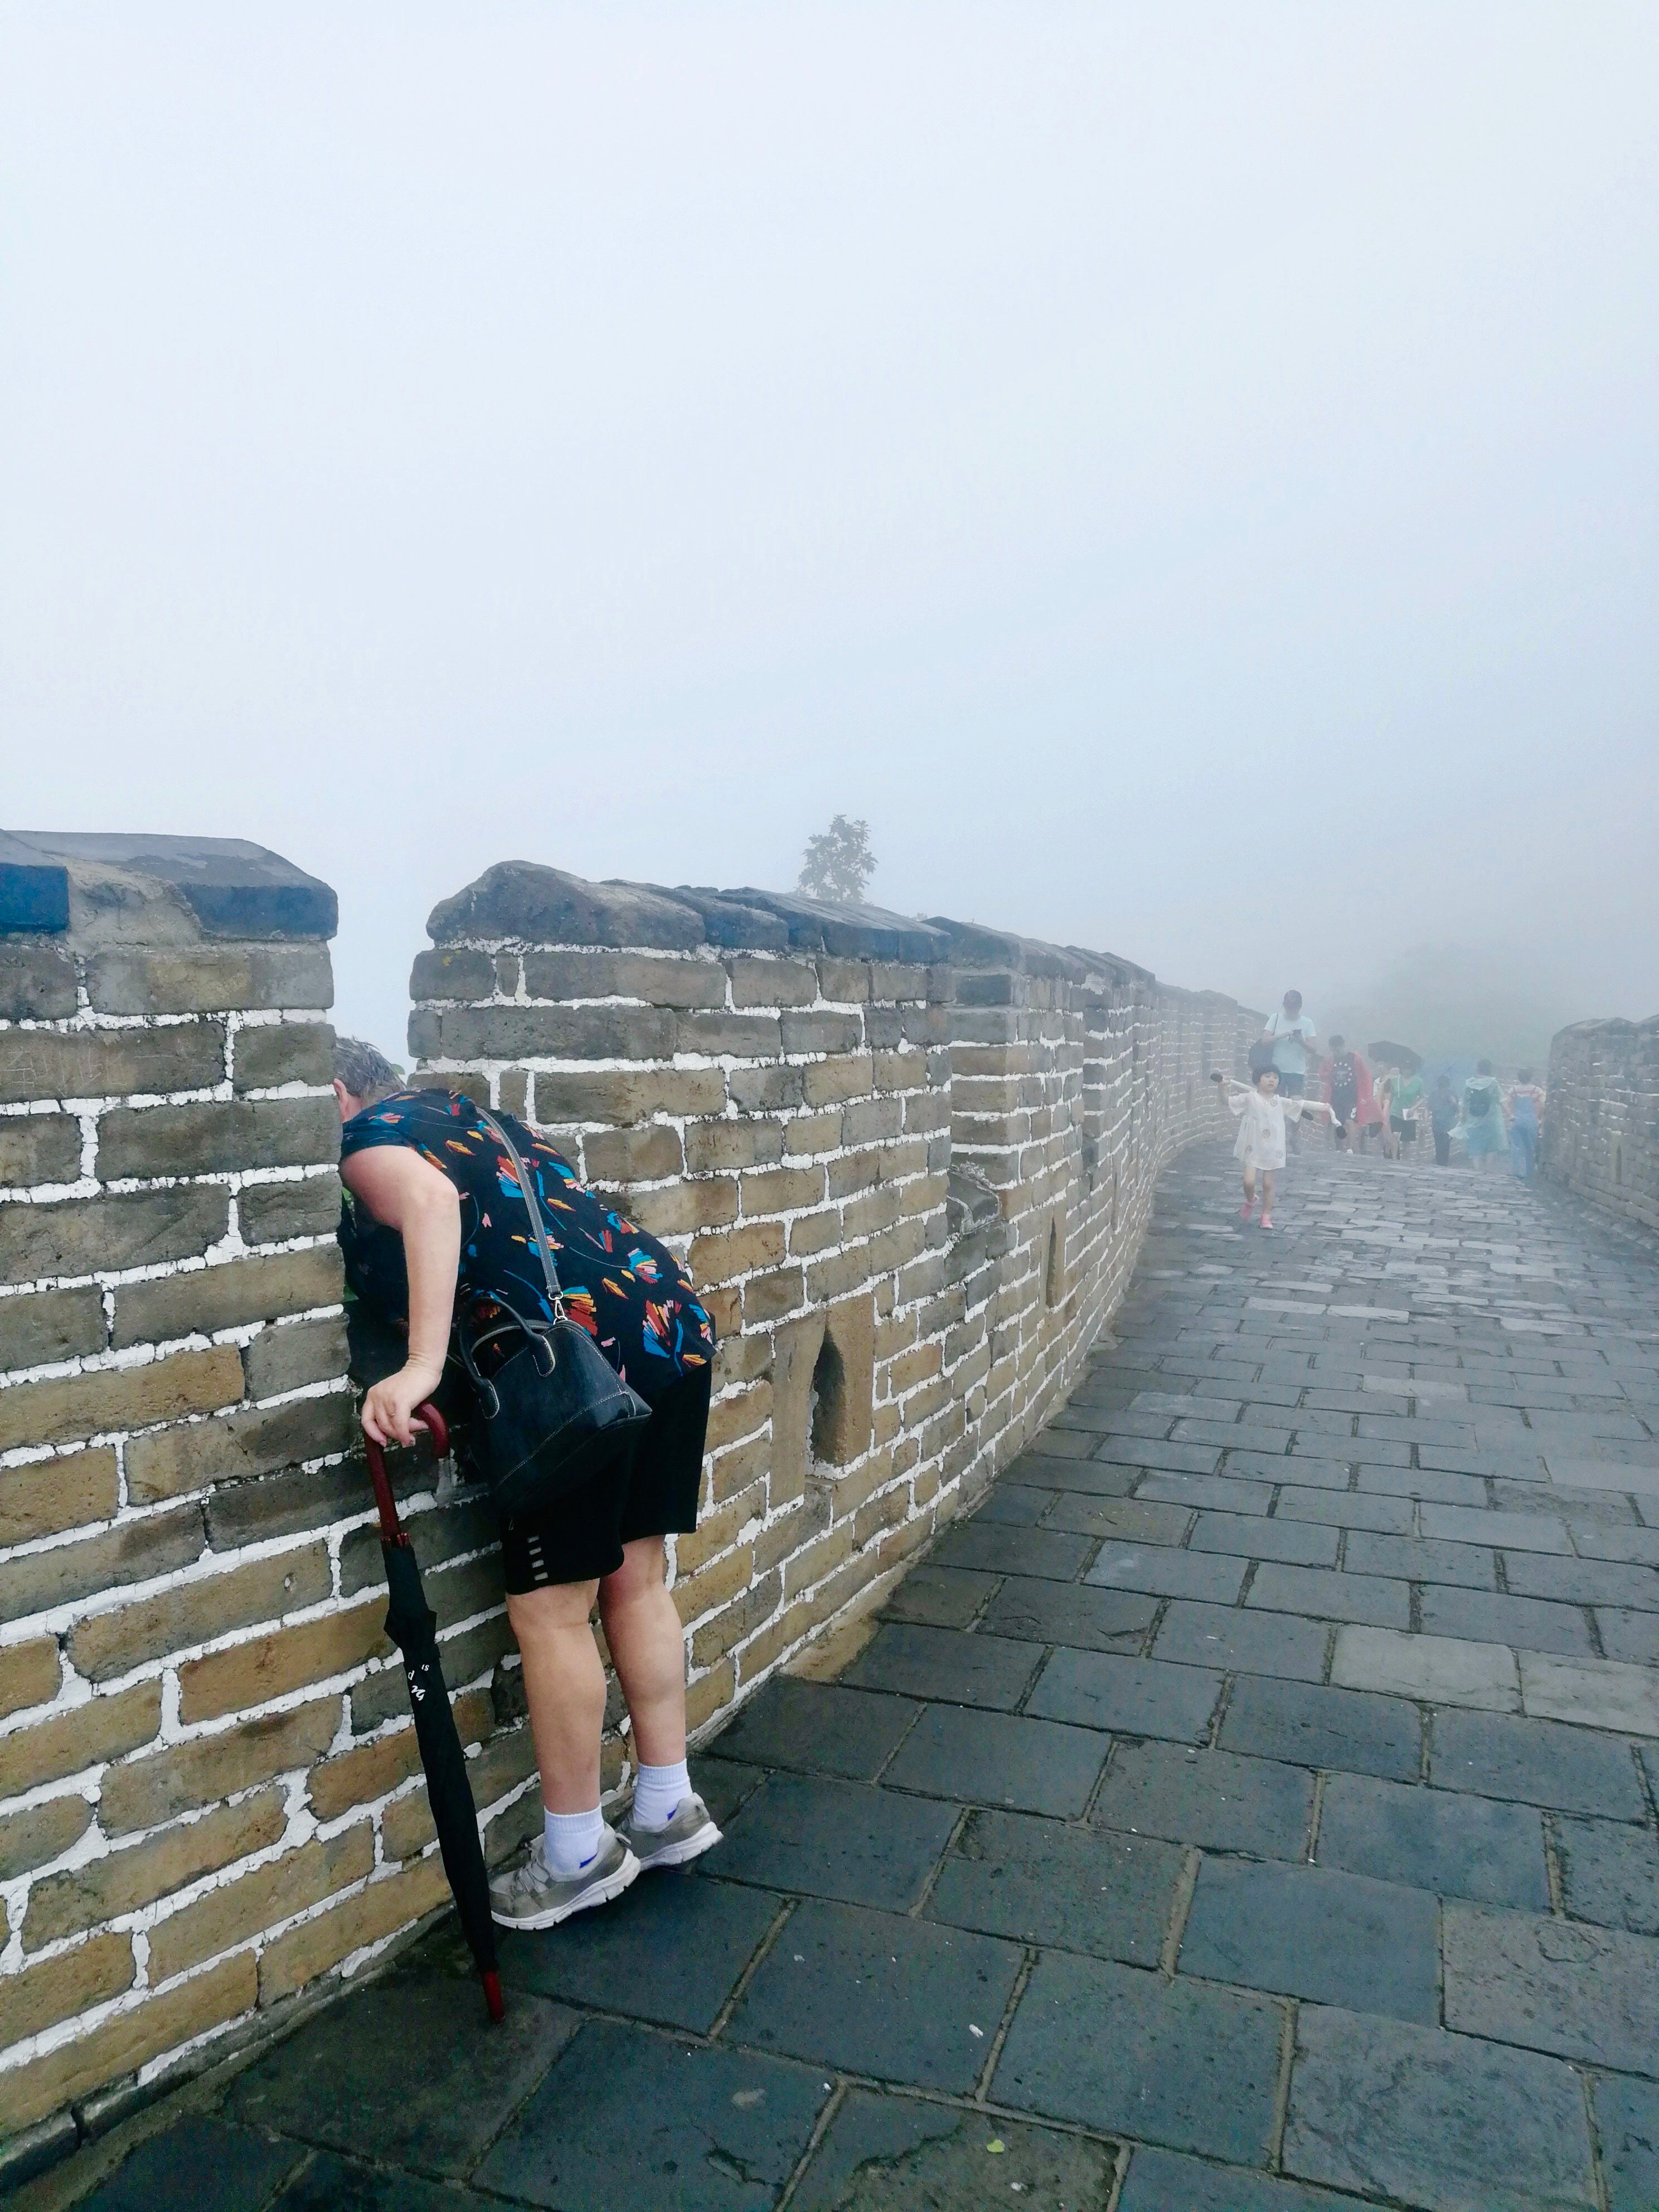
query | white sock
(571,1840)
(659,1794)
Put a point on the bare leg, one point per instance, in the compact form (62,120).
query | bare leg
(1268,1179)
(648,1647)
(564,1687)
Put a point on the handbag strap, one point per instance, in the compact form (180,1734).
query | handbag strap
(556,1295)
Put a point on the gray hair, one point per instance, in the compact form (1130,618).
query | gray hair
(365,1070)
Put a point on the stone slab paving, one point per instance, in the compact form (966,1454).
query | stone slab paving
(1250,1808)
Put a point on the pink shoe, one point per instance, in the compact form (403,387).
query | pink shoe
(1247,1209)
(1266,1221)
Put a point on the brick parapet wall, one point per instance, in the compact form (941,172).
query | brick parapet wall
(1602,1120)
(910,1165)
(930,1150)
(208,1785)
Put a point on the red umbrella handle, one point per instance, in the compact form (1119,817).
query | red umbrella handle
(391,1528)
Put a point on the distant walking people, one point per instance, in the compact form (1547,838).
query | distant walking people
(1443,1118)
(1347,1085)
(1526,1109)
(1483,1116)
(1260,1147)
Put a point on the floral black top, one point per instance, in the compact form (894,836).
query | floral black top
(623,1286)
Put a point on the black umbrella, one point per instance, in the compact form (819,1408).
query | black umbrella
(412,1625)
(1385,1054)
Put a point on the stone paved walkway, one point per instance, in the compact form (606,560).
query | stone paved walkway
(1250,1809)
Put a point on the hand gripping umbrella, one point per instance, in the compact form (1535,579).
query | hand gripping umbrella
(412,1625)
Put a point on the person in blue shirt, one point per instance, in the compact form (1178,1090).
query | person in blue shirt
(1290,1032)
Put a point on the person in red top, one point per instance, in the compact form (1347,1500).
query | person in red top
(1347,1086)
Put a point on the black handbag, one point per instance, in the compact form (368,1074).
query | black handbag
(555,1413)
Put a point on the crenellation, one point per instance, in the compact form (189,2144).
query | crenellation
(859,1128)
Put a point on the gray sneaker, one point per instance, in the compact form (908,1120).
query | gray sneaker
(688,1836)
(530,1895)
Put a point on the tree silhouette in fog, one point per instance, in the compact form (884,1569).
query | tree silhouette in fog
(839,862)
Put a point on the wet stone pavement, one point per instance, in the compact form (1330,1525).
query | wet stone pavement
(1250,1808)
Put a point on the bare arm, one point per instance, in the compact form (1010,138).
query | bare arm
(408,1194)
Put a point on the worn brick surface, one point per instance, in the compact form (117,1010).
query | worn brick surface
(209,979)
(127,2041)
(106,1645)
(57,1989)
(255,1442)
(44,1063)
(38,1328)
(38,1148)
(41,1498)
(209,1298)
(277,1053)
(266,1667)
(64,1903)
(141,1792)
(133,1551)
(36,980)
(291,1961)
(83,1736)
(29,1674)
(60,1412)
(240,1909)
(131,1228)
(273,1212)
(40,1834)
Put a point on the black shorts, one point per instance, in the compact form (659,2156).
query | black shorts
(1292,1086)
(582,1538)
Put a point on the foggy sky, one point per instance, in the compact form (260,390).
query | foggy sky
(1186,476)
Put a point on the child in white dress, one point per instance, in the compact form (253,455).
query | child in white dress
(1260,1147)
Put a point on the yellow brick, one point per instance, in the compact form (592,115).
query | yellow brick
(268,1667)
(74,1406)
(67,1742)
(121,2044)
(710,1694)
(716,1529)
(83,1896)
(29,1674)
(738,1415)
(59,1988)
(717,1584)
(240,1909)
(312,1947)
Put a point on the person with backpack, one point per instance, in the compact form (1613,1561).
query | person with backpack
(1484,1133)
(465,1226)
